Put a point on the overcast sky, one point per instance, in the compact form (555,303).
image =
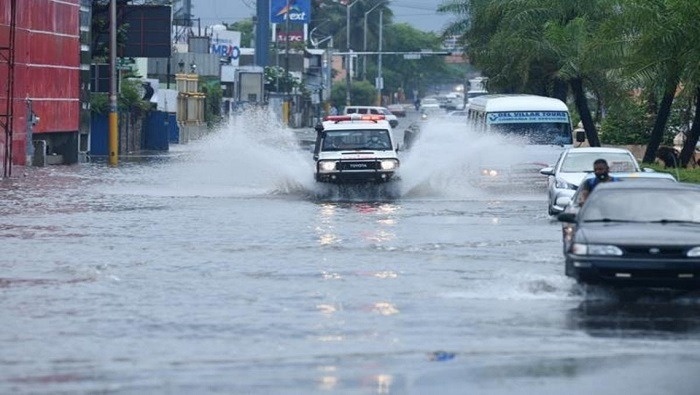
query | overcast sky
(420,14)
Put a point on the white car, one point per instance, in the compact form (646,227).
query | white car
(351,149)
(373,110)
(430,104)
(572,166)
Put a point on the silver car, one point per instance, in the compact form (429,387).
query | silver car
(572,166)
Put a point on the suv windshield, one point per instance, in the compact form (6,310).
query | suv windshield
(362,139)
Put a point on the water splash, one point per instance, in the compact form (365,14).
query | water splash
(254,154)
(446,158)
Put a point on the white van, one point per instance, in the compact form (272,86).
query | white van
(540,125)
(373,110)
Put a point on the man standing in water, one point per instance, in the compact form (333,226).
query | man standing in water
(602,174)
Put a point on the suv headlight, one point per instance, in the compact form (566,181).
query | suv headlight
(595,249)
(561,184)
(326,166)
(489,172)
(389,164)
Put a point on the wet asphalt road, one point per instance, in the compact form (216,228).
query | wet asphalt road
(222,268)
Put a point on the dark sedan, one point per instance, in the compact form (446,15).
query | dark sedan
(637,234)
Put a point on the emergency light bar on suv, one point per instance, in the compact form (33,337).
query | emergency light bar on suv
(354,117)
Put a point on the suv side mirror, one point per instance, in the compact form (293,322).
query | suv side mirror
(580,136)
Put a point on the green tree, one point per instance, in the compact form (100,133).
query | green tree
(99,29)
(414,74)
(656,42)
(330,18)
(246,28)
(278,80)
(538,46)
(661,57)
(363,93)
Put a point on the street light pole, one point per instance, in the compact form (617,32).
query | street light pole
(380,80)
(364,46)
(347,58)
(287,99)
(113,131)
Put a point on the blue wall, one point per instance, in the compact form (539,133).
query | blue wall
(159,130)
(156,131)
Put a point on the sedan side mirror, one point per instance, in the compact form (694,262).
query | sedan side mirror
(547,171)
(563,201)
(566,217)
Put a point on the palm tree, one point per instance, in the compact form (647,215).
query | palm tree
(539,46)
(655,42)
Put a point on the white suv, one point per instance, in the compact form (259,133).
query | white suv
(355,149)
(373,110)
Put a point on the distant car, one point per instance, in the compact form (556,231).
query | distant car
(573,205)
(397,109)
(572,166)
(637,234)
(373,110)
(430,104)
(454,101)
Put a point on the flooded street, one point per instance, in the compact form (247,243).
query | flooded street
(221,267)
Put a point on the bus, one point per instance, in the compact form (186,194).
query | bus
(542,125)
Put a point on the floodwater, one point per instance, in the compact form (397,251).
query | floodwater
(222,267)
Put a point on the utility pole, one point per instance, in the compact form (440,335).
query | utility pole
(113,120)
(380,80)
(348,59)
(287,99)
(364,41)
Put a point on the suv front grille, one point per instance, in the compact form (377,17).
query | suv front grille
(358,165)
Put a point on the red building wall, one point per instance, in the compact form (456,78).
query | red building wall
(47,66)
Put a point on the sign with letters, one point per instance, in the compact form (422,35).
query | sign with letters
(527,117)
(226,44)
(298,11)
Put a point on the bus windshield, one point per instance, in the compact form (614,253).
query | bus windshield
(541,133)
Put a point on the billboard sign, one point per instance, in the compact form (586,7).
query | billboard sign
(226,44)
(298,11)
(294,37)
(148,31)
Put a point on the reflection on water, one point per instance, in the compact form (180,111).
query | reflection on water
(380,219)
(648,316)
